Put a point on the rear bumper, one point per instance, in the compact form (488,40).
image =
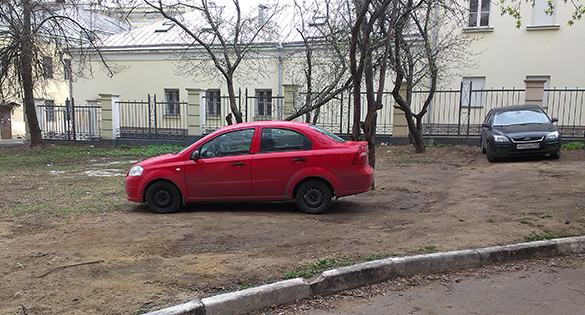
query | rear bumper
(358,180)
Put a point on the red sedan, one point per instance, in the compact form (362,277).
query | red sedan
(258,161)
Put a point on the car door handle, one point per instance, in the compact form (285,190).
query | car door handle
(299,160)
(238,163)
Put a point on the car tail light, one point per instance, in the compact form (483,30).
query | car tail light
(362,155)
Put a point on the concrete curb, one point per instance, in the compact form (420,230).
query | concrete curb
(358,275)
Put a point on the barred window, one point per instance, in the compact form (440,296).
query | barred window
(48,67)
(172,100)
(213,102)
(263,102)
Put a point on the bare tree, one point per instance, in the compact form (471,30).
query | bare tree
(323,29)
(33,34)
(426,48)
(226,35)
(369,55)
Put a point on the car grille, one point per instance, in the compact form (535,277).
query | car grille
(527,139)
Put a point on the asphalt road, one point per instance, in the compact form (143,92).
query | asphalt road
(553,286)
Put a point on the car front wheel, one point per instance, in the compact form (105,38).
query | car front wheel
(163,197)
(313,197)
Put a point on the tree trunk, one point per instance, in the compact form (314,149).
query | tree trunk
(233,106)
(26,69)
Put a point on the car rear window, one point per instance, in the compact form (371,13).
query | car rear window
(328,134)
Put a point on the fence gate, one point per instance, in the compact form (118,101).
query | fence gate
(153,119)
(69,121)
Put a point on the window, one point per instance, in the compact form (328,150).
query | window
(542,14)
(48,67)
(277,139)
(479,13)
(172,100)
(230,143)
(67,69)
(213,103)
(49,110)
(263,103)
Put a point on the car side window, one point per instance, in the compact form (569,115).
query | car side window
(279,139)
(230,143)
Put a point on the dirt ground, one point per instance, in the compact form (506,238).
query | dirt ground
(131,260)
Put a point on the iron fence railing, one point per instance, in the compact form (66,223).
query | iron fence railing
(451,113)
(67,122)
(152,119)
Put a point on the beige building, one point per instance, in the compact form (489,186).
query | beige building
(544,52)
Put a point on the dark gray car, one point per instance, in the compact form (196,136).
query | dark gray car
(519,130)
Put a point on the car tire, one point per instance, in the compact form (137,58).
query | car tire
(556,156)
(490,157)
(163,197)
(313,197)
(483,150)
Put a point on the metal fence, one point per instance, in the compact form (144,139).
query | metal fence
(253,108)
(69,122)
(568,106)
(152,119)
(459,112)
(451,113)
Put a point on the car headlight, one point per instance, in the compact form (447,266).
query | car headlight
(498,138)
(136,170)
(552,135)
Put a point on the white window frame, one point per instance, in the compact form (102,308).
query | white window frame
(540,19)
(476,15)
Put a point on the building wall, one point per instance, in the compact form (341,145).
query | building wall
(507,55)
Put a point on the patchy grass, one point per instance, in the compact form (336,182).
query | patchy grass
(46,183)
(539,237)
(309,270)
(573,145)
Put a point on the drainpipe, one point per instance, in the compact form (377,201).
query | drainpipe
(279,81)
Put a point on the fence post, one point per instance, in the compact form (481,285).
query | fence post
(194,117)
(110,116)
(534,90)
(399,124)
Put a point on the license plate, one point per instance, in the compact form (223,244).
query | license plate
(522,146)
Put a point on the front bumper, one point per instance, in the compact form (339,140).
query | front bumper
(508,149)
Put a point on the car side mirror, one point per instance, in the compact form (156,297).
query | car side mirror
(485,125)
(194,155)
(554,120)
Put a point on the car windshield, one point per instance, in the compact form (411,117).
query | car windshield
(328,134)
(520,117)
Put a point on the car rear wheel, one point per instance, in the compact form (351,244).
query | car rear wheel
(163,197)
(313,197)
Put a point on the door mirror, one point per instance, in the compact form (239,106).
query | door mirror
(194,155)
(485,125)
(554,120)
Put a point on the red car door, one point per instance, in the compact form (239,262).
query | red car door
(283,152)
(222,168)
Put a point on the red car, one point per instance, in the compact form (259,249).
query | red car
(258,161)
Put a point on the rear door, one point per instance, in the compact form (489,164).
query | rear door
(223,168)
(283,152)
